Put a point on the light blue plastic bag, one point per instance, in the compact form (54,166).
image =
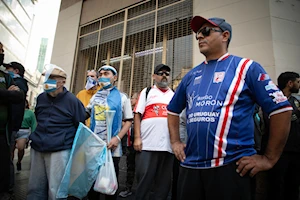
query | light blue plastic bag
(87,155)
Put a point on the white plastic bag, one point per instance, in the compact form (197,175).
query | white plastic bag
(106,182)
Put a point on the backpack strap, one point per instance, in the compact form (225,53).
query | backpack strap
(147,92)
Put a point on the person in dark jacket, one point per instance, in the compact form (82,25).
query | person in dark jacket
(58,113)
(16,71)
(284,177)
(9,93)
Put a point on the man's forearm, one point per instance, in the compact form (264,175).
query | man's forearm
(125,127)
(173,125)
(137,125)
(279,131)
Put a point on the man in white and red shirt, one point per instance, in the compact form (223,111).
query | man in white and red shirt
(154,158)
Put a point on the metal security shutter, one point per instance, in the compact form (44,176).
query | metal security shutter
(136,39)
(85,60)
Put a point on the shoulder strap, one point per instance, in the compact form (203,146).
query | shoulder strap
(147,92)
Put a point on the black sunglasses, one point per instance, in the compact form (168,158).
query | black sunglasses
(162,73)
(206,31)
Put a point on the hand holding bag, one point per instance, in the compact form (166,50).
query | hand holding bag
(106,182)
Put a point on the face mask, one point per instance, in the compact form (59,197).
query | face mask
(90,82)
(1,59)
(50,85)
(105,82)
(12,75)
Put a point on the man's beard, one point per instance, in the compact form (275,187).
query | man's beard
(163,84)
(294,90)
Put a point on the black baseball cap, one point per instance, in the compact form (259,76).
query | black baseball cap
(198,21)
(161,67)
(16,65)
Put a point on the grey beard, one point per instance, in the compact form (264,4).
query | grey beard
(163,84)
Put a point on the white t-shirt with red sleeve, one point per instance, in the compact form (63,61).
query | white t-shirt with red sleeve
(154,126)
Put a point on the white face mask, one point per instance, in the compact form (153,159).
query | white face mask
(90,83)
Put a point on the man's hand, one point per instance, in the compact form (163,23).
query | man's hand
(253,164)
(13,88)
(113,144)
(137,145)
(178,149)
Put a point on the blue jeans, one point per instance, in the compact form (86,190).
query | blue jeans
(47,170)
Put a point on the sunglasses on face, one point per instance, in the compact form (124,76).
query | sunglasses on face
(162,73)
(206,31)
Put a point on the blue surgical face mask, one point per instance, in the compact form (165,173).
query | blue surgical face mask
(50,85)
(105,82)
(12,75)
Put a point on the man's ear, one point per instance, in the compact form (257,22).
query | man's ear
(63,81)
(115,78)
(226,36)
(290,83)
(17,71)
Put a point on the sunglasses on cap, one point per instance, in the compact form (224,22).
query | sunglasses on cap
(162,73)
(206,31)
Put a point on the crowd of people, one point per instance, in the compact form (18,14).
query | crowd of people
(198,142)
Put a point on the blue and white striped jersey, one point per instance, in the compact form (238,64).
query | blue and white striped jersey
(219,97)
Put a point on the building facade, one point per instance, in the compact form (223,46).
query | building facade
(16,20)
(134,36)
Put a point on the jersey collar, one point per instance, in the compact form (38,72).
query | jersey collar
(226,55)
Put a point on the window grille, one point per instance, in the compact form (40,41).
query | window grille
(141,9)
(171,45)
(90,28)
(162,3)
(140,24)
(111,20)
(85,60)
(112,33)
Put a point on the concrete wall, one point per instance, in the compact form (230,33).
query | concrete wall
(66,37)
(266,31)
(93,9)
(251,28)
(285,21)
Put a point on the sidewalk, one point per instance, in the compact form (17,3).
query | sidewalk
(23,176)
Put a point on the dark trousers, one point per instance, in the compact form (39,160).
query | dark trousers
(5,163)
(12,167)
(93,195)
(130,160)
(153,170)
(284,178)
(211,184)
(176,165)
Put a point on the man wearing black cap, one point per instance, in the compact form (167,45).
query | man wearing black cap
(154,158)
(16,71)
(9,93)
(219,95)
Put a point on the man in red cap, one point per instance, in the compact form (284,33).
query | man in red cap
(219,95)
